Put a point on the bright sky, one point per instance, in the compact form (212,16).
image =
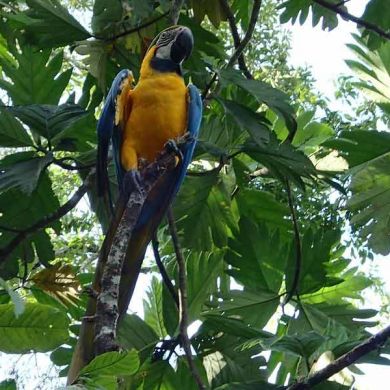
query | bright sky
(325,53)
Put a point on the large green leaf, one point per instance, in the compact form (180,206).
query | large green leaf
(372,68)
(316,247)
(112,364)
(262,207)
(257,256)
(294,9)
(23,175)
(204,212)
(370,204)
(223,358)
(49,24)
(256,308)
(39,328)
(57,122)
(304,345)
(105,14)
(134,333)
(23,211)
(264,93)
(247,119)
(153,308)
(203,270)
(12,133)
(378,13)
(360,146)
(35,78)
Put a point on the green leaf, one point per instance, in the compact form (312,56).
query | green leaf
(22,211)
(372,68)
(206,217)
(39,328)
(153,308)
(262,207)
(40,18)
(283,161)
(292,9)
(377,12)
(23,175)
(57,122)
(360,146)
(134,333)
(351,287)
(105,14)
(62,356)
(8,384)
(12,133)
(256,308)
(112,364)
(370,188)
(35,78)
(275,99)
(249,120)
(316,248)
(203,270)
(304,345)
(257,256)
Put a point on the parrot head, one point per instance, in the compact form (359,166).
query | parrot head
(174,44)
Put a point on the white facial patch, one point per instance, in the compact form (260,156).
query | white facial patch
(164,52)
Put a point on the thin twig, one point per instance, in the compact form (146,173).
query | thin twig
(183,300)
(298,247)
(249,32)
(44,222)
(236,38)
(175,11)
(374,342)
(240,49)
(133,29)
(360,22)
(163,271)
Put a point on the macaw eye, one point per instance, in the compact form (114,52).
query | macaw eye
(163,35)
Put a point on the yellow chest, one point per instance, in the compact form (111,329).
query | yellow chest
(158,113)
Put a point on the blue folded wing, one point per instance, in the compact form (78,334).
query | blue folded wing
(108,131)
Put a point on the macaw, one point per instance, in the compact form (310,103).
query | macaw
(140,121)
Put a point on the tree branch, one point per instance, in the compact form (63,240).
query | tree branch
(163,271)
(240,48)
(298,246)
(360,22)
(107,306)
(133,29)
(44,222)
(175,11)
(183,301)
(374,342)
(236,37)
(249,32)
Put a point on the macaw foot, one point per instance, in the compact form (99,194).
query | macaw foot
(132,181)
(172,146)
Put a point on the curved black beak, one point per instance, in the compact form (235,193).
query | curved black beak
(182,46)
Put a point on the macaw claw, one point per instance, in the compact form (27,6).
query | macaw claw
(132,181)
(172,147)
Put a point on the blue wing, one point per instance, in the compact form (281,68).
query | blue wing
(109,128)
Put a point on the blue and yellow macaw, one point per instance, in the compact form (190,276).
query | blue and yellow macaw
(140,121)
